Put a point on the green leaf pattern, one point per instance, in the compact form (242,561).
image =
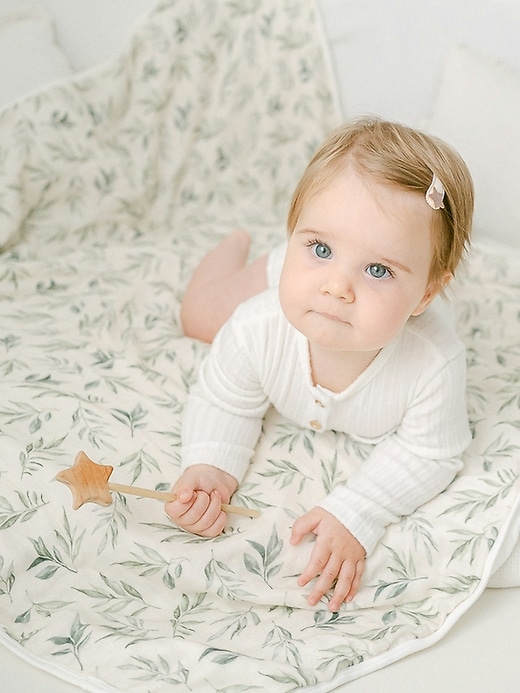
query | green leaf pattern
(113,186)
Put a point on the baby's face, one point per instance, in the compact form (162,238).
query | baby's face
(357,264)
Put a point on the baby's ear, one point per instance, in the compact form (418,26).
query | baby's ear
(433,289)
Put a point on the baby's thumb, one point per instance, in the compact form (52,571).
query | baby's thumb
(298,531)
(303,525)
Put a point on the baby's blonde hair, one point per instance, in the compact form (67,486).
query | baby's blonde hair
(394,154)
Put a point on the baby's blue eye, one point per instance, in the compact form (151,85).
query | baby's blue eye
(322,251)
(379,271)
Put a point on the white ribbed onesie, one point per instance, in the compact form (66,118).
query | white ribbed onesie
(409,403)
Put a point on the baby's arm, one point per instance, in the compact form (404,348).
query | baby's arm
(201,490)
(221,425)
(337,557)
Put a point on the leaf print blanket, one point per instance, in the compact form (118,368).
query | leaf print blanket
(113,186)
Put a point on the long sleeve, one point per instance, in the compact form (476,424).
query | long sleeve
(223,417)
(411,466)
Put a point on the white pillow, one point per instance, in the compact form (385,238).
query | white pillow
(29,56)
(478,112)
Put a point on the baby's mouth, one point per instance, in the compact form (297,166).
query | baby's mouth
(332,316)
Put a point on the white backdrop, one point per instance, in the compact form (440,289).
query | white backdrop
(387,54)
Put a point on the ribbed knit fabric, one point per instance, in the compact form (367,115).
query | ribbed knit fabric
(409,403)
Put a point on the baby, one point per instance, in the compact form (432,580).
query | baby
(349,340)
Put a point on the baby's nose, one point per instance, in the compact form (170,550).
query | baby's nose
(339,286)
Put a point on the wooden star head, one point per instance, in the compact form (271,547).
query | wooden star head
(88,481)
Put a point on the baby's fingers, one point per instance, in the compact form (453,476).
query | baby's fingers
(347,584)
(203,515)
(344,576)
(326,569)
(354,588)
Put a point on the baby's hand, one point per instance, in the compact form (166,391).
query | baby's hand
(200,491)
(337,556)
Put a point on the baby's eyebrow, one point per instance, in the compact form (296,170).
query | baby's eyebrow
(395,263)
(310,232)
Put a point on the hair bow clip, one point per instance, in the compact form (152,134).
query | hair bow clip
(435,193)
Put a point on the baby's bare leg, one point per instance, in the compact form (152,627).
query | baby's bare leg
(220,283)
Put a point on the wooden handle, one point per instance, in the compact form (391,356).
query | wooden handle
(168,497)
(89,483)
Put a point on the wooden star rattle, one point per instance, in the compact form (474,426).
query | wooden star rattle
(89,483)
